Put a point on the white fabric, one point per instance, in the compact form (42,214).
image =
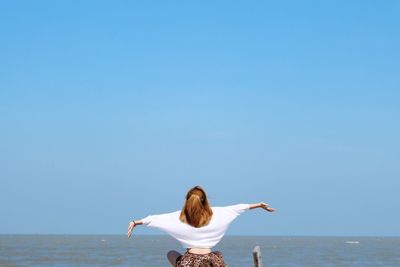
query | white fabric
(191,237)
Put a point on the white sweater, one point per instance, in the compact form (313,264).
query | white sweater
(191,237)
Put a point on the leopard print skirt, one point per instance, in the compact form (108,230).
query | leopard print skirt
(213,259)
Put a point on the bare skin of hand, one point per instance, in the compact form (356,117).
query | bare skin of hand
(266,207)
(130,229)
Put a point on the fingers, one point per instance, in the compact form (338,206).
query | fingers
(130,229)
(129,232)
(268,208)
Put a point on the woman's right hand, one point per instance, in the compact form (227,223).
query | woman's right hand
(266,207)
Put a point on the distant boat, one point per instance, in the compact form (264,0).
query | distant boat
(353,242)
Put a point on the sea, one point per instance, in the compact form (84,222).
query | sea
(149,251)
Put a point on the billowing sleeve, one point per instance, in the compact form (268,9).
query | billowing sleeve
(148,220)
(229,213)
(239,208)
(160,221)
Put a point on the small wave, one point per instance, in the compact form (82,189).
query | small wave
(352,242)
(103,240)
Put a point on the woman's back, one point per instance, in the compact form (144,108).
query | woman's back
(197,237)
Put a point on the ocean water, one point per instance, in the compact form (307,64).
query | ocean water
(148,251)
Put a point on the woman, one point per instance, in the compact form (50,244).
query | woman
(198,227)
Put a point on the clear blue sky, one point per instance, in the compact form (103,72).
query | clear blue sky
(111,110)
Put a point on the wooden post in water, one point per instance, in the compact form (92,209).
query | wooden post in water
(257,257)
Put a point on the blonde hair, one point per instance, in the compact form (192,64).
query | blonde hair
(196,211)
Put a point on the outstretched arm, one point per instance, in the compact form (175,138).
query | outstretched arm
(262,205)
(132,225)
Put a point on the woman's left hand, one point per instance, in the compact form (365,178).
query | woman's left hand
(130,228)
